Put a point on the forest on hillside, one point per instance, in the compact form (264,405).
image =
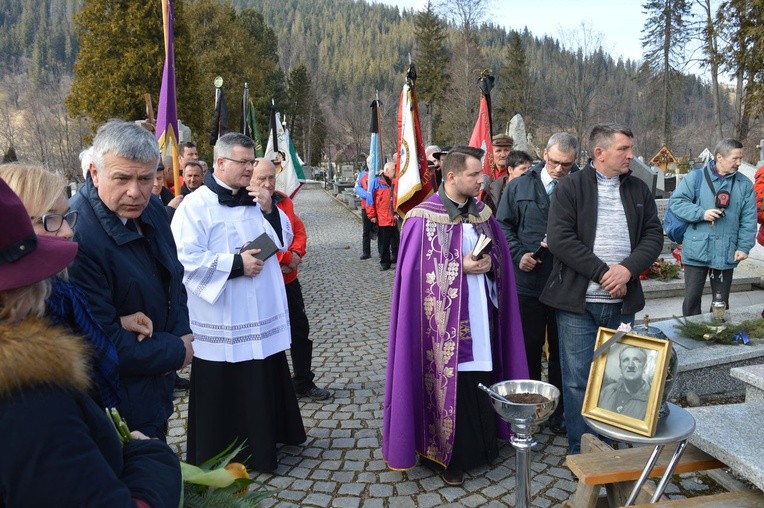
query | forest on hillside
(324,61)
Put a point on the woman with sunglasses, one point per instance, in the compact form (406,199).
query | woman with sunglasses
(42,193)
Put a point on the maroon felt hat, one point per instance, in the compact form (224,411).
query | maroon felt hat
(26,258)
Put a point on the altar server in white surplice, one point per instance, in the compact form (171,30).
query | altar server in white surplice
(241,388)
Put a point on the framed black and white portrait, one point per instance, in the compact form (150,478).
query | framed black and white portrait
(626,382)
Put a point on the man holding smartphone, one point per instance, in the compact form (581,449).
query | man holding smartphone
(523,212)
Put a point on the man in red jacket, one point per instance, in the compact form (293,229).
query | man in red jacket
(382,214)
(301,351)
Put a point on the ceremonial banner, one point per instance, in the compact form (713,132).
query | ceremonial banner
(167,110)
(249,123)
(220,119)
(376,160)
(413,175)
(481,134)
(288,180)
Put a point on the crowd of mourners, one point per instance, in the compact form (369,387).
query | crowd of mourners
(106,295)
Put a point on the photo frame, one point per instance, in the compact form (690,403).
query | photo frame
(626,382)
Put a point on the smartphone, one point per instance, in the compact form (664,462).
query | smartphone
(536,255)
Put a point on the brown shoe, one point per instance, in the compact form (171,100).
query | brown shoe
(453,476)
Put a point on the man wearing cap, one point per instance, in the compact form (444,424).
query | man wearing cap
(127,263)
(492,189)
(502,145)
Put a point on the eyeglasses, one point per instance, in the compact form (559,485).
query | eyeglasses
(52,222)
(243,162)
(564,165)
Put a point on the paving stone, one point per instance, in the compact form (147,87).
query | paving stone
(406,488)
(429,500)
(346,502)
(557,494)
(403,502)
(381,490)
(351,489)
(316,499)
(473,500)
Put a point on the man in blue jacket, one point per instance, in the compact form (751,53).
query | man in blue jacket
(127,263)
(523,212)
(603,232)
(723,224)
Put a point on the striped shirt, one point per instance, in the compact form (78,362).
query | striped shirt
(611,243)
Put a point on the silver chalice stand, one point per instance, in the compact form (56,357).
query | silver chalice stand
(524,419)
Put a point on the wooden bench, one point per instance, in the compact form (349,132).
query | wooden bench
(741,499)
(599,465)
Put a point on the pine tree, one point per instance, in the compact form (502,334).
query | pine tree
(743,56)
(664,38)
(121,57)
(300,99)
(432,58)
(514,82)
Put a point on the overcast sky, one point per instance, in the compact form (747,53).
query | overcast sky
(618,22)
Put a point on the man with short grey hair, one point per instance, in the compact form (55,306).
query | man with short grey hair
(523,212)
(241,388)
(127,263)
(603,231)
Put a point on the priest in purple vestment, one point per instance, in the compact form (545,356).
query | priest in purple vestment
(454,322)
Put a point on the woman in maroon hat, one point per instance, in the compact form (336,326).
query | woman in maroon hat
(58,447)
(42,193)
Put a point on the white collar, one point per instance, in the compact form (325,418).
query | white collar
(546,178)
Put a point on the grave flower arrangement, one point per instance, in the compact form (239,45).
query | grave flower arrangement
(722,333)
(662,270)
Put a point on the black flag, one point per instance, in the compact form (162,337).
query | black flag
(220,120)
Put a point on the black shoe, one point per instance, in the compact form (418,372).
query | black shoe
(366,256)
(384,268)
(182,383)
(453,476)
(557,425)
(393,260)
(316,393)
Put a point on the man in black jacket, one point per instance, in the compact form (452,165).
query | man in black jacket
(523,212)
(603,232)
(127,262)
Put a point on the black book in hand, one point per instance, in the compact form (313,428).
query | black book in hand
(482,246)
(263,242)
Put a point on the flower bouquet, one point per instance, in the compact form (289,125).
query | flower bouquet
(217,483)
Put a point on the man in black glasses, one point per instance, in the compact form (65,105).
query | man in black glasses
(241,388)
(127,263)
(523,212)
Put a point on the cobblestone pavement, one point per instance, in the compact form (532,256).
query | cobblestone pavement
(341,463)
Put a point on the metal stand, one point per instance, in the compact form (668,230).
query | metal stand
(522,445)
(677,427)
(524,420)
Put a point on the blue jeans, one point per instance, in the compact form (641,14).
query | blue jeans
(577,333)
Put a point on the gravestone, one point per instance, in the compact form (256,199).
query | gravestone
(645,173)
(517,131)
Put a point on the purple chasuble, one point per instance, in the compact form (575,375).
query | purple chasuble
(430,329)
